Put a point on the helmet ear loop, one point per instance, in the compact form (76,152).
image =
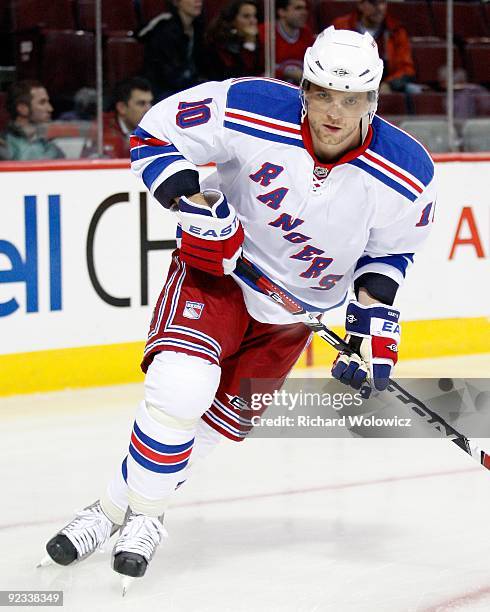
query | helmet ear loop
(304,107)
(367,119)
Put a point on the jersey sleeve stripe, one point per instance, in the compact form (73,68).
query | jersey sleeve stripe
(145,137)
(400,262)
(144,152)
(383,270)
(264,135)
(262,122)
(157,166)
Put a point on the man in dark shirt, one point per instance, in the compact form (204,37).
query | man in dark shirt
(131,99)
(174,48)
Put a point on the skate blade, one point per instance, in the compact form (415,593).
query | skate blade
(126,582)
(45,561)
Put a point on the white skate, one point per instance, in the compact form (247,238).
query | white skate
(139,537)
(86,533)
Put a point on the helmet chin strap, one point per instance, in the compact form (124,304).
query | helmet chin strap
(304,108)
(365,122)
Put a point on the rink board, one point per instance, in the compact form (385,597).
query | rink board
(84,252)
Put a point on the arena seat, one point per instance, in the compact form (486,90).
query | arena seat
(476,135)
(4,116)
(328,10)
(27,54)
(429,55)
(477,55)
(31,14)
(117,15)
(468,19)
(392,104)
(212,7)
(67,72)
(429,103)
(123,58)
(483,105)
(5,16)
(432,133)
(148,9)
(414,16)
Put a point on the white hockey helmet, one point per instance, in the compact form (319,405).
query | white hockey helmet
(346,61)
(343,60)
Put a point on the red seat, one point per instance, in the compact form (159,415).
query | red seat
(483,105)
(328,10)
(63,60)
(429,103)
(124,58)
(67,61)
(312,16)
(212,7)
(429,56)
(468,19)
(150,9)
(27,54)
(31,14)
(117,15)
(478,61)
(4,116)
(414,16)
(5,11)
(392,104)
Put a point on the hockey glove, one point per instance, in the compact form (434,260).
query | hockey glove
(373,332)
(211,236)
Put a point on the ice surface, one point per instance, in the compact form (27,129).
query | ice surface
(336,525)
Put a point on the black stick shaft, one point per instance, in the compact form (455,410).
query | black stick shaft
(246,270)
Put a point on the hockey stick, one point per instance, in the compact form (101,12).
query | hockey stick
(252,276)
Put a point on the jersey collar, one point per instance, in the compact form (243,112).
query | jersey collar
(347,157)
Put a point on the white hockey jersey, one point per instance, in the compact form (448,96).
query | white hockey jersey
(312,228)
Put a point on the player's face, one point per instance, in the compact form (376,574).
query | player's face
(41,109)
(138,104)
(295,14)
(334,116)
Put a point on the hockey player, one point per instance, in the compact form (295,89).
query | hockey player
(317,192)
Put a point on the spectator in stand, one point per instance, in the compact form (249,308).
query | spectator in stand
(25,136)
(392,39)
(293,37)
(84,106)
(232,43)
(131,99)
(470,99)
(174,48)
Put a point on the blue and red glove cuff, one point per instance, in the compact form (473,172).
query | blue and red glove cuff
(370,320)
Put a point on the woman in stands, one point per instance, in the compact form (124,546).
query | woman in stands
(232,42)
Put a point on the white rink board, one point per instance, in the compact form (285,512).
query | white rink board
(436,288)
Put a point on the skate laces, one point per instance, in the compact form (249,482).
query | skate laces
(141,534)
(89,530)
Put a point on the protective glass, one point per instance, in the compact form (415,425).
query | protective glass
(352,105)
